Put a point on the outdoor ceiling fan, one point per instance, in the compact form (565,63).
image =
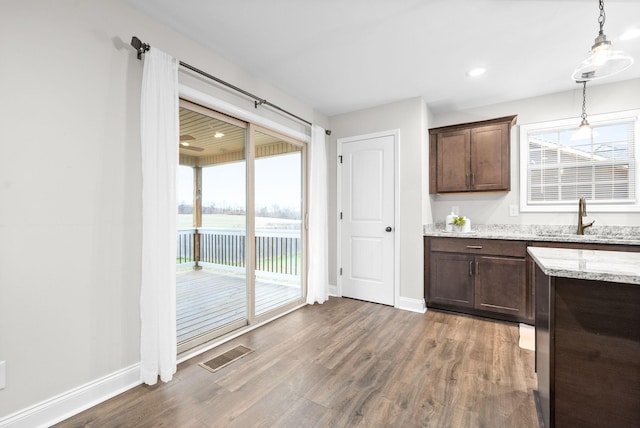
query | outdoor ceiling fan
(184,143)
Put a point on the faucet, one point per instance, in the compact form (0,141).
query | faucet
(582,212)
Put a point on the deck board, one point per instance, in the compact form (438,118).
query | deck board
(207,300)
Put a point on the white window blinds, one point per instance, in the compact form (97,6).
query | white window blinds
(562,165)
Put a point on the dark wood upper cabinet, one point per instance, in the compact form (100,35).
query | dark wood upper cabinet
(471,157)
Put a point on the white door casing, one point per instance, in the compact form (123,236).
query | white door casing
(367,232)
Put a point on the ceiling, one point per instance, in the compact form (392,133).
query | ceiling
(212,138)
(344,55)
(202,135)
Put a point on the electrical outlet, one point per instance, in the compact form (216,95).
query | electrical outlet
(513,210)
(3,375)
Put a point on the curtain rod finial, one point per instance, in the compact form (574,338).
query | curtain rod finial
(139,46)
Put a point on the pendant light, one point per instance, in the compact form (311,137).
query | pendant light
(603,61)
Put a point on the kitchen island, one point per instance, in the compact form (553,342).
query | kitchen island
(587,318)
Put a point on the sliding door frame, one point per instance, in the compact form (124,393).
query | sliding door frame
(236,325)
(303,227)
(199,104)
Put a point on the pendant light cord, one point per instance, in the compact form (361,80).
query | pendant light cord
(584,101)
(602,17)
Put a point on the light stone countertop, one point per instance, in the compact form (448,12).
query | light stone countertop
(625,235)
(610,266)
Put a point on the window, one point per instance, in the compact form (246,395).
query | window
(558,165)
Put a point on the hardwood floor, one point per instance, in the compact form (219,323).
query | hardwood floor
(346,363)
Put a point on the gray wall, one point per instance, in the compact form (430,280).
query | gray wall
(494,207)
(70,183)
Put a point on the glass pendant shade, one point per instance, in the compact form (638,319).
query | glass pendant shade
(583,133)
(584,124)
(603,61)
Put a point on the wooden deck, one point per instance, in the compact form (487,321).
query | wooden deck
(207,300)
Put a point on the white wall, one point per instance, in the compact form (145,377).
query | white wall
(493,208)
(70,210)
(410,117)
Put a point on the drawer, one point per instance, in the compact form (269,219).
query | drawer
(496,247)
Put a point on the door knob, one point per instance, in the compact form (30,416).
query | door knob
(388,229)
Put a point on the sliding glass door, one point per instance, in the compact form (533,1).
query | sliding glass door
(279,206)
(231,168)
(211,282)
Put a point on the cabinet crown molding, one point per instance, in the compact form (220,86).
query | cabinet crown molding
(511,120)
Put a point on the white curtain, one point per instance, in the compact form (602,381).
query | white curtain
(318,272)
(159,124)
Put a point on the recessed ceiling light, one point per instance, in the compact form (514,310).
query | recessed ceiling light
(476,72)
(219,135)
(631,33)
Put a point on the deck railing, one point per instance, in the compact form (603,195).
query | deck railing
(186,247)
(277,251)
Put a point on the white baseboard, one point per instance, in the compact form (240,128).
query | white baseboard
(67,404)
(405,303)
(413,305)
(333,290)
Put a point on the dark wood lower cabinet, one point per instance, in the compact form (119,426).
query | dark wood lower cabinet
(587,352)
(500,285)
(452,279)
(481,277)
(488,277)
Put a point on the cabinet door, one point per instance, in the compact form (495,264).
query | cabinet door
(452,279)
(453,161)
(490,168)
(500,285)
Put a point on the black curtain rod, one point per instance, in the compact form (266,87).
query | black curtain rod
(141,48)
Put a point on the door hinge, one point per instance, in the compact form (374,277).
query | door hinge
(340,271)
(340,156)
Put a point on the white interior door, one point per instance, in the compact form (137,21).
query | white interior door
(367,225)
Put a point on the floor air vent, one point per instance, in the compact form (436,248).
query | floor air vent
(223,360)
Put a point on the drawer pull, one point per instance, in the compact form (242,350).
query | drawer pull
(474,247)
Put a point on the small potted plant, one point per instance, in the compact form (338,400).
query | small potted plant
(458,223)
